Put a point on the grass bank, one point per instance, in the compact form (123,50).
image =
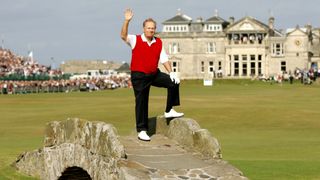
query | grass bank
(268,131)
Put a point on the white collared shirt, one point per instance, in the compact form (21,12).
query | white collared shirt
(132,40)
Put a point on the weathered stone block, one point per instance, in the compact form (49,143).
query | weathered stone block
(98,137)
(182,130)
(187,132)
(31,163)
(205,143)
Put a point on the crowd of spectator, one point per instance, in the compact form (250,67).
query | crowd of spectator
(305,76)
(25,66)
(23,87)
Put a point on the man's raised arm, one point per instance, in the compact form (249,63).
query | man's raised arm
(128,14)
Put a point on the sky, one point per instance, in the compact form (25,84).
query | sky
(61,30)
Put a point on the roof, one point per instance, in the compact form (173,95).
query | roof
(255,21)
(217,20)
(290,30)
(125,67)
(272,32)
(178,19)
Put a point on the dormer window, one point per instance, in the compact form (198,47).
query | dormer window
(213,27)
(176,28)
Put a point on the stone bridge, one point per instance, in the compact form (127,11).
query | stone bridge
(77,146)
(79,149)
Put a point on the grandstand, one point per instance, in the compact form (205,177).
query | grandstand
(20,75)
(12,65)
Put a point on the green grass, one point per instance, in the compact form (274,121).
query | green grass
(267,131)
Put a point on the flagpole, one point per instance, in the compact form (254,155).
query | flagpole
(2,41)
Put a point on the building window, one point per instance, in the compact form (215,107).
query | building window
(219,71)
(211,47)
(211,67)
(244,69)
(259,68)
(283,66)
(213,27)
(252,68)
(244,57)
(236,57)
(260,38)
(252,57)
(236,69)
(259,57)
(174,48)
(178,28)
(202,67)
(277,49)
(175,66)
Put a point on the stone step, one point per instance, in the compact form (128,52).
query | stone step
(163,158)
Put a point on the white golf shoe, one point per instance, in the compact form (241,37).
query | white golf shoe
(173,114)
(142,135)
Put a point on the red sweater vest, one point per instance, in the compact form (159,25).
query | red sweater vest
(145,58)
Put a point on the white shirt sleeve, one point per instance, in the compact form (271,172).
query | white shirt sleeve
(131,40)
(163,56)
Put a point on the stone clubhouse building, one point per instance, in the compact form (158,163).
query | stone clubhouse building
(237,49)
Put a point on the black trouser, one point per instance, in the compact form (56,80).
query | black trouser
(141,83)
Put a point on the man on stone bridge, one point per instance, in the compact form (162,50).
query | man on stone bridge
(147,51)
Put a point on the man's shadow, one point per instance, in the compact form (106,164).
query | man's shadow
(152,125)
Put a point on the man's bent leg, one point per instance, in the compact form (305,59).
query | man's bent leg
(173,97)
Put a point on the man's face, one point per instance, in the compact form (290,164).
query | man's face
(149,29)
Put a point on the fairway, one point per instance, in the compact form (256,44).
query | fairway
(268,131)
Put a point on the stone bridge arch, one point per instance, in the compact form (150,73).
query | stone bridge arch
(75,144)
(75,173)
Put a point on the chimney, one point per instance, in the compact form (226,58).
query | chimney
(179,12)
(199,20)
(271,22)
(308,27)
(231,20)
(216,13)
(309,32)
